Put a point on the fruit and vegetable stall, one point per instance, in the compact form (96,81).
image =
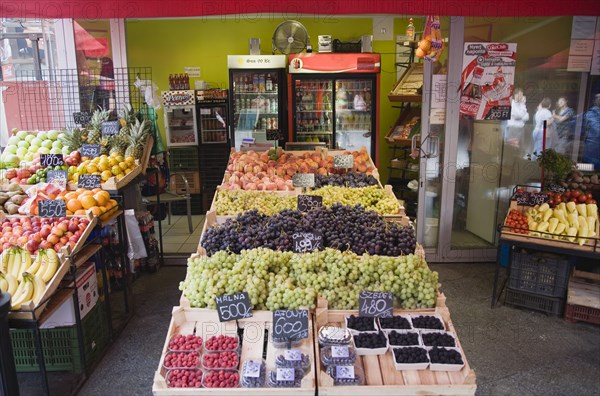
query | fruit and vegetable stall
(308,278)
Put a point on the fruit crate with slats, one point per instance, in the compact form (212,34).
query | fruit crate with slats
(583,298)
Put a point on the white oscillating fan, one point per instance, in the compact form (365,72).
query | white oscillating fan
(290,37)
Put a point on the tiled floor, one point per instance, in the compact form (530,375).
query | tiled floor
(176,236)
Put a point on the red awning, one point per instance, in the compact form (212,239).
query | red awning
(52,9)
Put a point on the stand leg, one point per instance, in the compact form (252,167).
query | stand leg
(8,373)
(39,350)
(496,274)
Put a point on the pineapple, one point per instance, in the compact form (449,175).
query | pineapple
(117,145)
(98,117)
(104,145)
(137,139)
(126,119)
(72,139)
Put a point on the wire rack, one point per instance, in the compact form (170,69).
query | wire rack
(66,99)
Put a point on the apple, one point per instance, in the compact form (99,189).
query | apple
(53,134)
(45,232)
(56,144)
(53,238)
(23,143)
(64,240)
(42,135)
(65,151)
(58,246)
(73,227)
(32,245)
(22,135)
(11,149)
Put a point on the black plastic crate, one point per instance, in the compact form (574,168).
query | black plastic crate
(540,274)
(549,305)
(184,158)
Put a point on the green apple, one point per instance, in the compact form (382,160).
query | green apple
(44,150)
(22,135)
(42,135)
(61,135)
(57,144)
(11,149)
(53,134)
(36,141)
(29,138)
(47,143)
(23,143)
(28,157)
(33,149)
(10,160)
(13,140)
(21,151)
(65,151)
(55,151)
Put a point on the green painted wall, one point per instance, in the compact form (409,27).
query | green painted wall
(169,45)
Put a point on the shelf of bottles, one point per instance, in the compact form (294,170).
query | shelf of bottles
(181,121)
(255,101)
(213,125)
(314,111)
(353,110)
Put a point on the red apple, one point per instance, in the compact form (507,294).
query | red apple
(52,238)
(46,245)
(73,227)
(64,239)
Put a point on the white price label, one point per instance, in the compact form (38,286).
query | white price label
(340,352)
(344,372)
(293,354)
(252,369)
(285,374)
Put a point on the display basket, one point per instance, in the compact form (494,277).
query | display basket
(539,273)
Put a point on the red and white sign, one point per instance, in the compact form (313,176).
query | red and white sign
(487,80)
(334,63)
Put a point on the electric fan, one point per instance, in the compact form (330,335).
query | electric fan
(290,37)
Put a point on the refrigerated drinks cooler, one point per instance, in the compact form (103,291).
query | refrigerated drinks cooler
(257,95)
(334,99)
(180,118)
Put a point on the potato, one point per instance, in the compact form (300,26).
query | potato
(11,208)
(3,197)
(17,199)
(15,187)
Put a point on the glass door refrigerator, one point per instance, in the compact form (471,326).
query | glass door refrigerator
(257,97)
(180,118)
(334,99)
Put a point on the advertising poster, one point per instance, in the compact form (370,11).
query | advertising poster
(487,80)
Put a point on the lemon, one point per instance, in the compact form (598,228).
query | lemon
(116,170)
(119,158)
(120,176)
(106,175)
(130,160)
(123,165)
(91,169)
(113,162)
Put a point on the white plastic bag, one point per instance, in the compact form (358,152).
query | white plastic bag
(137,248)
(150,91)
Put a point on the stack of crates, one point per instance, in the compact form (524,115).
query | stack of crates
(583,299)
(538,281)
(185,161)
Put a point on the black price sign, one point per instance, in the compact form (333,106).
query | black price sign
(556,188)
(343,161)
(303,180)
(530,199)
(89,150)
(274,134)
(82,117)
(290,324)
(376,304)
(52,208)
(110,128)
(51,160)
(307,202)
(89,181)
(233,306)
(58,177)
(307,241)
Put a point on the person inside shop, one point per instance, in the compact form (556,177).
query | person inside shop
(542,114)
(591,129)
(564,125)
(515,126)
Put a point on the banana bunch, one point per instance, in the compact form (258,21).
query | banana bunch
(23,279)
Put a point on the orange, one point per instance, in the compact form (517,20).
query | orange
(96,190)
(69,213)
(79,212)
(102,197)
(96,211)
(87,201)
(73,204)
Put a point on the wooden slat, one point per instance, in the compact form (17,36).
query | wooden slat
(411,377)
(441,378)
(585,294)
(372,370)
(427,377)
(390,375)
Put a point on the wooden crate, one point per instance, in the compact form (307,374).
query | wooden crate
(394,134)
(206,323)
(591,244)
(584,289)
(193,179)
(407,88)
(381,376)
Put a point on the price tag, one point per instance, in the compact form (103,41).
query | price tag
(290,324)
(292,355)
(307,202)
(343,161)
(303,180)
(58,177)
(307,242)
(233,306)
(274,134)
(285,374)
(556,188)
(344,372)
(51,160)
(252,369)
(52,208)
(110,128)
(340,351)
(82,117)
(375,304)
(89,181)
(89,150)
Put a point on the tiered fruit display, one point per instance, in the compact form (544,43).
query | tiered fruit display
(23,145)
(80,201)
(273,170)
(569,222)
(106,166)
(24,278)
(343,228)
(33,233)
(279,280)
(230,203)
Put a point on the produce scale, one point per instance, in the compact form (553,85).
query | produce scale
(306,285)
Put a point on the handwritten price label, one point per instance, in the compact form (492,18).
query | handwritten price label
(52,208)
(307,241)
(110,128)
(343,161)
(375,304)
(233,306)
(307,202)
(274,134)
(82,117)
(290,324)
(89,181)
(303,180)
(58,177)
(51,160)
(89,150)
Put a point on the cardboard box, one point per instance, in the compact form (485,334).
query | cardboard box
(87,292)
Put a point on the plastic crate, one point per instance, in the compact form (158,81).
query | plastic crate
(60,345)
(549,305)
(539,274)
(183,158)
(580,313)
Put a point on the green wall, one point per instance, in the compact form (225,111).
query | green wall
(169,45)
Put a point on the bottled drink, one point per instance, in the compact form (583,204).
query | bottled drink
(171,82)
(274,106)
(269,83)
(410,30)
(254,83)
(261,83)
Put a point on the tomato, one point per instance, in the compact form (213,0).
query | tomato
(576,194)
(593,202)
(558,199)
(567,194)
(551,202)
(589,196)
(582,198)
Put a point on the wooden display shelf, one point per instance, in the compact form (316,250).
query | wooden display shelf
(86,253)
(408,87)
(205,322)
(382,378)
(408,114)
(592,245)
